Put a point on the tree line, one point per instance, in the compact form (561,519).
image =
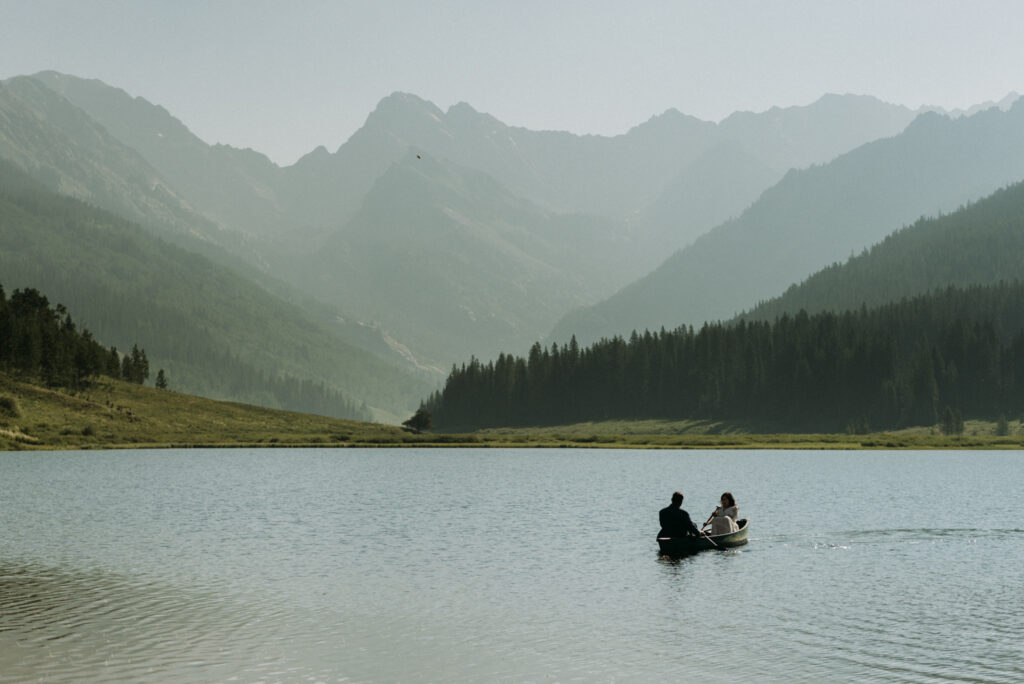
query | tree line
(43,342)
(896,365)
(240,381)
(40,341)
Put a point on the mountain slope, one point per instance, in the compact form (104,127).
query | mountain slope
(447,258)
(234,188)
(211,329)
(980,244)
(814,217)
(752,153)
(715,187)
(64,149)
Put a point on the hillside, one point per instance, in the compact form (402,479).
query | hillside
(212,330)
(816,216)
(982,243)
(114,414)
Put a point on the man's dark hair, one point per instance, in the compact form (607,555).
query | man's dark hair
(677,497)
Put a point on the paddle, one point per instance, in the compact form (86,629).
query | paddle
(705,534)
(708,521)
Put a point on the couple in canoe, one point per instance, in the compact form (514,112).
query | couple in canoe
(675,522)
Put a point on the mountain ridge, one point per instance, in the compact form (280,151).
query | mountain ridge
(813,217)
(636,184)
(981,243)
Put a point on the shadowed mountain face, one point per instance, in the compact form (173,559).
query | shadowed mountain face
(814,217)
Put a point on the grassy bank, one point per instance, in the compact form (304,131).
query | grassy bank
(113,414)
(710,434)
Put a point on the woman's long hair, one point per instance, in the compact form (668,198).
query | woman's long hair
(730,498)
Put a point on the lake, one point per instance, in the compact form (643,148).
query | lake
(507,565)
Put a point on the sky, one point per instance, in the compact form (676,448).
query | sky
(286,77)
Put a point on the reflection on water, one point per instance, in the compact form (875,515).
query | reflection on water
(58,624)
(522,566)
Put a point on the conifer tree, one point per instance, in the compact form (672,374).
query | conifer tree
(420,421)
(1002,427)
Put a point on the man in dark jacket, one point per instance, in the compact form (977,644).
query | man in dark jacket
(675,522)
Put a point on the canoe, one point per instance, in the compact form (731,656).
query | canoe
(683,546)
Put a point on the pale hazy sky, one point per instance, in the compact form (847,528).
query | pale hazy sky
(284,77)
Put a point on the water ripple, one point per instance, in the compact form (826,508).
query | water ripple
(524,566)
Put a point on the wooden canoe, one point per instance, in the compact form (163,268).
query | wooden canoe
(683,546)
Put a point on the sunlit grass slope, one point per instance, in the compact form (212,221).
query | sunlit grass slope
(113,413)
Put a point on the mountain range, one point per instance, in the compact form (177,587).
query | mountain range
(657,186)
(816,216)
(432,235)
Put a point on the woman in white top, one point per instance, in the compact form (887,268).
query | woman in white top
(723,520)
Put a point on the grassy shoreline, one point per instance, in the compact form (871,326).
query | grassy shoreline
(115,415)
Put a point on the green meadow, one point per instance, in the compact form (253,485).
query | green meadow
(111,414)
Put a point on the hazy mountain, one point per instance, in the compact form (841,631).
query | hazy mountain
(1003,104)
(692,178)
(649,169)
(610,176)
(663,183)
(65,149)
(59,145)
(979,244)
(817,216)
(235,188)
(795,137)
(717,186)
(753,152)
(446,258)
(213,330)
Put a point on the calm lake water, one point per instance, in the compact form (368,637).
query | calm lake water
(518,565)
